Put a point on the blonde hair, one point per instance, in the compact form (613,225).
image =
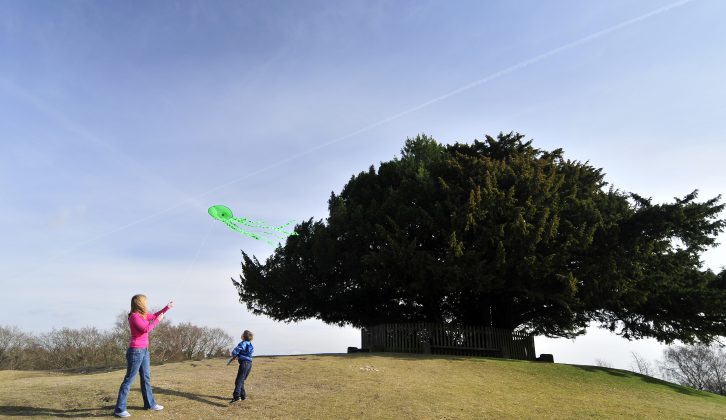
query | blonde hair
(247,335)
(138,305)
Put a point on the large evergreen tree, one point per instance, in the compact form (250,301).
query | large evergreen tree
(502,234)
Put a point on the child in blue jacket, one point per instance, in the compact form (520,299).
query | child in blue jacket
(243,352)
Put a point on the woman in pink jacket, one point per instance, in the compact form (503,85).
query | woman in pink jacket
(137,355)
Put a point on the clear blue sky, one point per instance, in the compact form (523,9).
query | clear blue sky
(121,122)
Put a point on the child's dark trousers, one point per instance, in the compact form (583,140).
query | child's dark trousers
(239,384)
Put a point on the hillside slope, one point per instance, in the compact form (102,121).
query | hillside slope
(365,386)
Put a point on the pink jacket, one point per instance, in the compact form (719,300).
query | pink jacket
(140,328)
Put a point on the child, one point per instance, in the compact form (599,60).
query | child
(243,352)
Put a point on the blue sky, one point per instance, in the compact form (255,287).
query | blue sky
(121,123)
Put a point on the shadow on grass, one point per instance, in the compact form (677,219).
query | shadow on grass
(609,371)
(649,379)
(392,355)
(206,399)
(401,356)
(679,388)
(614,372)
(91,370)
(422,356)
(20,411)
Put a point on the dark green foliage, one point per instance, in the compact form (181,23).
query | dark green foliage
(497,233)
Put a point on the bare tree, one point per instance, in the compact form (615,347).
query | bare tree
(641,365)
(164,343)
(216,342)
(191,340)
(699,366)
(12,343)
(717,367)
(603,363)
(186,341)
(112,356)
(120,331)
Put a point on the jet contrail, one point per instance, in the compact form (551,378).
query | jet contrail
(508,70)
(80,132)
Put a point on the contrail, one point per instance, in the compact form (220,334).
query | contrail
(472,85)
(80,132)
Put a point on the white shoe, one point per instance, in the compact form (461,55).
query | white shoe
(122,414)
(157,407)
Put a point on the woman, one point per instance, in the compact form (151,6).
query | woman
(137,355)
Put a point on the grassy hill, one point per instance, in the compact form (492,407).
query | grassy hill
(394,386)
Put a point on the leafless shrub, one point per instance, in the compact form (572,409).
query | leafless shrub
(72,348)
(68,348)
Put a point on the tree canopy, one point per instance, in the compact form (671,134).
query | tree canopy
(497,233)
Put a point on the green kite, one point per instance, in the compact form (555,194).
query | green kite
(224,215)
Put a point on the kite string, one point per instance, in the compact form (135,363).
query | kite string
(199,248)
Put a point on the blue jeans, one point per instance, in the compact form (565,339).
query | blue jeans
(239,383)
(137,361)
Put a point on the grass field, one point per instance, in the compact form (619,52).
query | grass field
(385,386)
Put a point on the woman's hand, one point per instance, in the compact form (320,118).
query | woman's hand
(170,304)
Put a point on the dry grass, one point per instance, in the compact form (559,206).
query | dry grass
(385,386)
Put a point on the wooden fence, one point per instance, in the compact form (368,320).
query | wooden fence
(447,339)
